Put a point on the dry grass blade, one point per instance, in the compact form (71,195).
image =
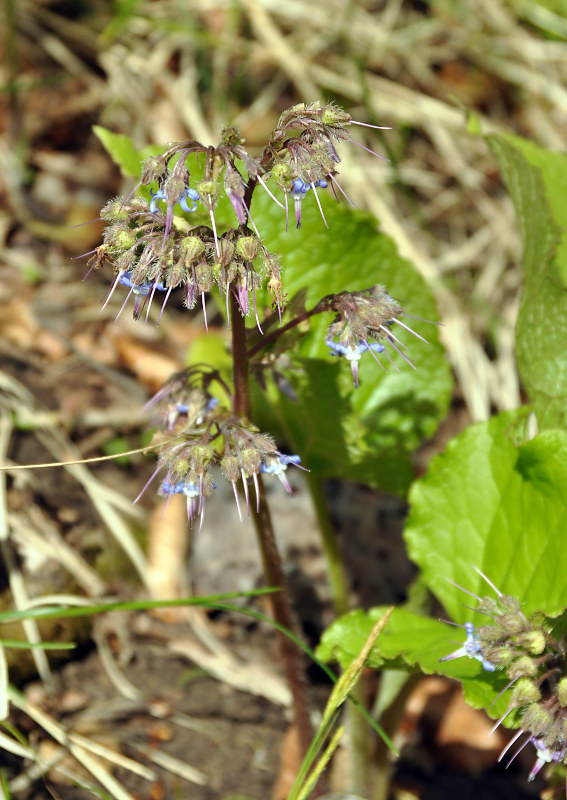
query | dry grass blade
(107,501)
(173,765)
(15,577)
(81,748)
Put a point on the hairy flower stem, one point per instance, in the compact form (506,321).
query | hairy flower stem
(271,559)
(322,305)
(241,402)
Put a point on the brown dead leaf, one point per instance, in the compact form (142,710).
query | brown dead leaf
(150,367)
(290,762)
(167,554)
(456,733)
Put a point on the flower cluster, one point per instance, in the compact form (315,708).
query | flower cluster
(363,324)
(533,661)
(153,249)
(206,438)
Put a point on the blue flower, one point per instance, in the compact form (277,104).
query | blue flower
(471,649)
(277,465)
(194,494)
(353,353)
(545,755)
(188,194)
(299,189)
(181,487)
(139,290)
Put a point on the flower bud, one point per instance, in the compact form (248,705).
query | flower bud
(208,191)
(562,692)
(191,247)
(250,461)
(181,468)
(229,465)
(154,168)
(490,633)
(524,693)
(509,604)
(247,247)
(532,641)
(523,667)
(331,115)
(114,211)
(204,276)
(264,444)
(537,720)
(231,136)
(201,456)
(123,240)
(500,655)
(282,174)
(511,623)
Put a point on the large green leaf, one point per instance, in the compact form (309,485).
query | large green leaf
(412,642)
(537,181)
(377,427)
(499,506)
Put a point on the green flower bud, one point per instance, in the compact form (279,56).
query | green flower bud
(208,191)
(181,468)
(230,468)
(231,136)
(500,655)
(490,633)
(251,461)
(523,667)
(282,174)
(524,693)
(511,623)
(226,250)
(537,720)
(332,115)
(114,211)
(201,457)
(191,248)
(175,275)
(204,276)
(264,444)
(247,247)
(562,692)
(532,641)
(123,240)
(154,168)
(510,604)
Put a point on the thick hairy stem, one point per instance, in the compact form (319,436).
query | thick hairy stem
(292,658)
(272,563)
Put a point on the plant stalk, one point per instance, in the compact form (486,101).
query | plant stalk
(273,568)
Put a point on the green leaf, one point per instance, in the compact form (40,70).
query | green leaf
(501,507)
(537,181)
(122,151)
(412,642)
(371,433)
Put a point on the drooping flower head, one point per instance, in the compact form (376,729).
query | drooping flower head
(534,662)
(364,323)
(144,239)
(198,436)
